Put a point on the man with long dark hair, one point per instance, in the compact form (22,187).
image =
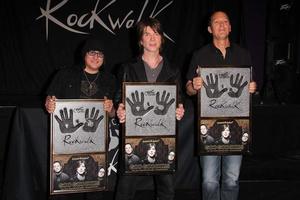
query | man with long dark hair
(150,66)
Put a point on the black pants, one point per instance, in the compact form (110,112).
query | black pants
(164,184)
(80,196)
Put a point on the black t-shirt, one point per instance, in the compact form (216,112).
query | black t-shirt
(72,84)
(135,72)
(89,88)
(209,55)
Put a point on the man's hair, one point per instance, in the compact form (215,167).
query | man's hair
(57,161)
(92,44)
(153,24)
(79,162)
(213,13)
(151,145)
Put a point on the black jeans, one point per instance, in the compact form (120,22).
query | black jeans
(80,196)
(164,184)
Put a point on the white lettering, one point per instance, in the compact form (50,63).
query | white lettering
(74,22)
(69,20)
(117,22)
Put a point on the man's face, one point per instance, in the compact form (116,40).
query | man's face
(226,132)
(101,172)
(151,152)
(171,156)
(128,149)
(151,40)
(203,129)
(93,60)
(245,137)
(57,167)
(220,26)
(81,169)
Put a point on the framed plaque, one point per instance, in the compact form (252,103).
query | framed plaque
(149,133)
(224,115)
(78,149)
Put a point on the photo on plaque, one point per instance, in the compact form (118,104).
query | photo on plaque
(78,154)
(80,172)
(224,136)
(146,155)
(150,109)
(225,91)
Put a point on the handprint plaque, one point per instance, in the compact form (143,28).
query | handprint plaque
(78,126)
(224,115)
(225,91)
(149,132)
(150,109)
(79,146)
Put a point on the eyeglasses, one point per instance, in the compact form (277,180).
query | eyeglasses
(95,53)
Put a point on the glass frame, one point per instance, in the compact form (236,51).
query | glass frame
(78,146)
(153,129)
(224,110)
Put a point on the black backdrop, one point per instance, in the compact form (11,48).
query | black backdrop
(34,45)
(42,36)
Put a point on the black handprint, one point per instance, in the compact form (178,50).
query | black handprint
(164,103)
(211,87)
(137,105)
(66,123)
(236,84)
(92,122)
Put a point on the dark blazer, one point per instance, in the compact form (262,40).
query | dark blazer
(135,72)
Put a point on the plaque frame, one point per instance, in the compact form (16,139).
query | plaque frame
(155,128)
(79,144)
(224,103)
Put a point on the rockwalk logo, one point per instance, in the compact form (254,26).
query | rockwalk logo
(75,23)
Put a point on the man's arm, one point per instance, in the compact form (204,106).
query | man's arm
(192,87)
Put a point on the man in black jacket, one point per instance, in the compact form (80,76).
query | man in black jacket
(89,81)
(151,66)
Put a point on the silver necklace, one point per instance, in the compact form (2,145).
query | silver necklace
(90,83)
